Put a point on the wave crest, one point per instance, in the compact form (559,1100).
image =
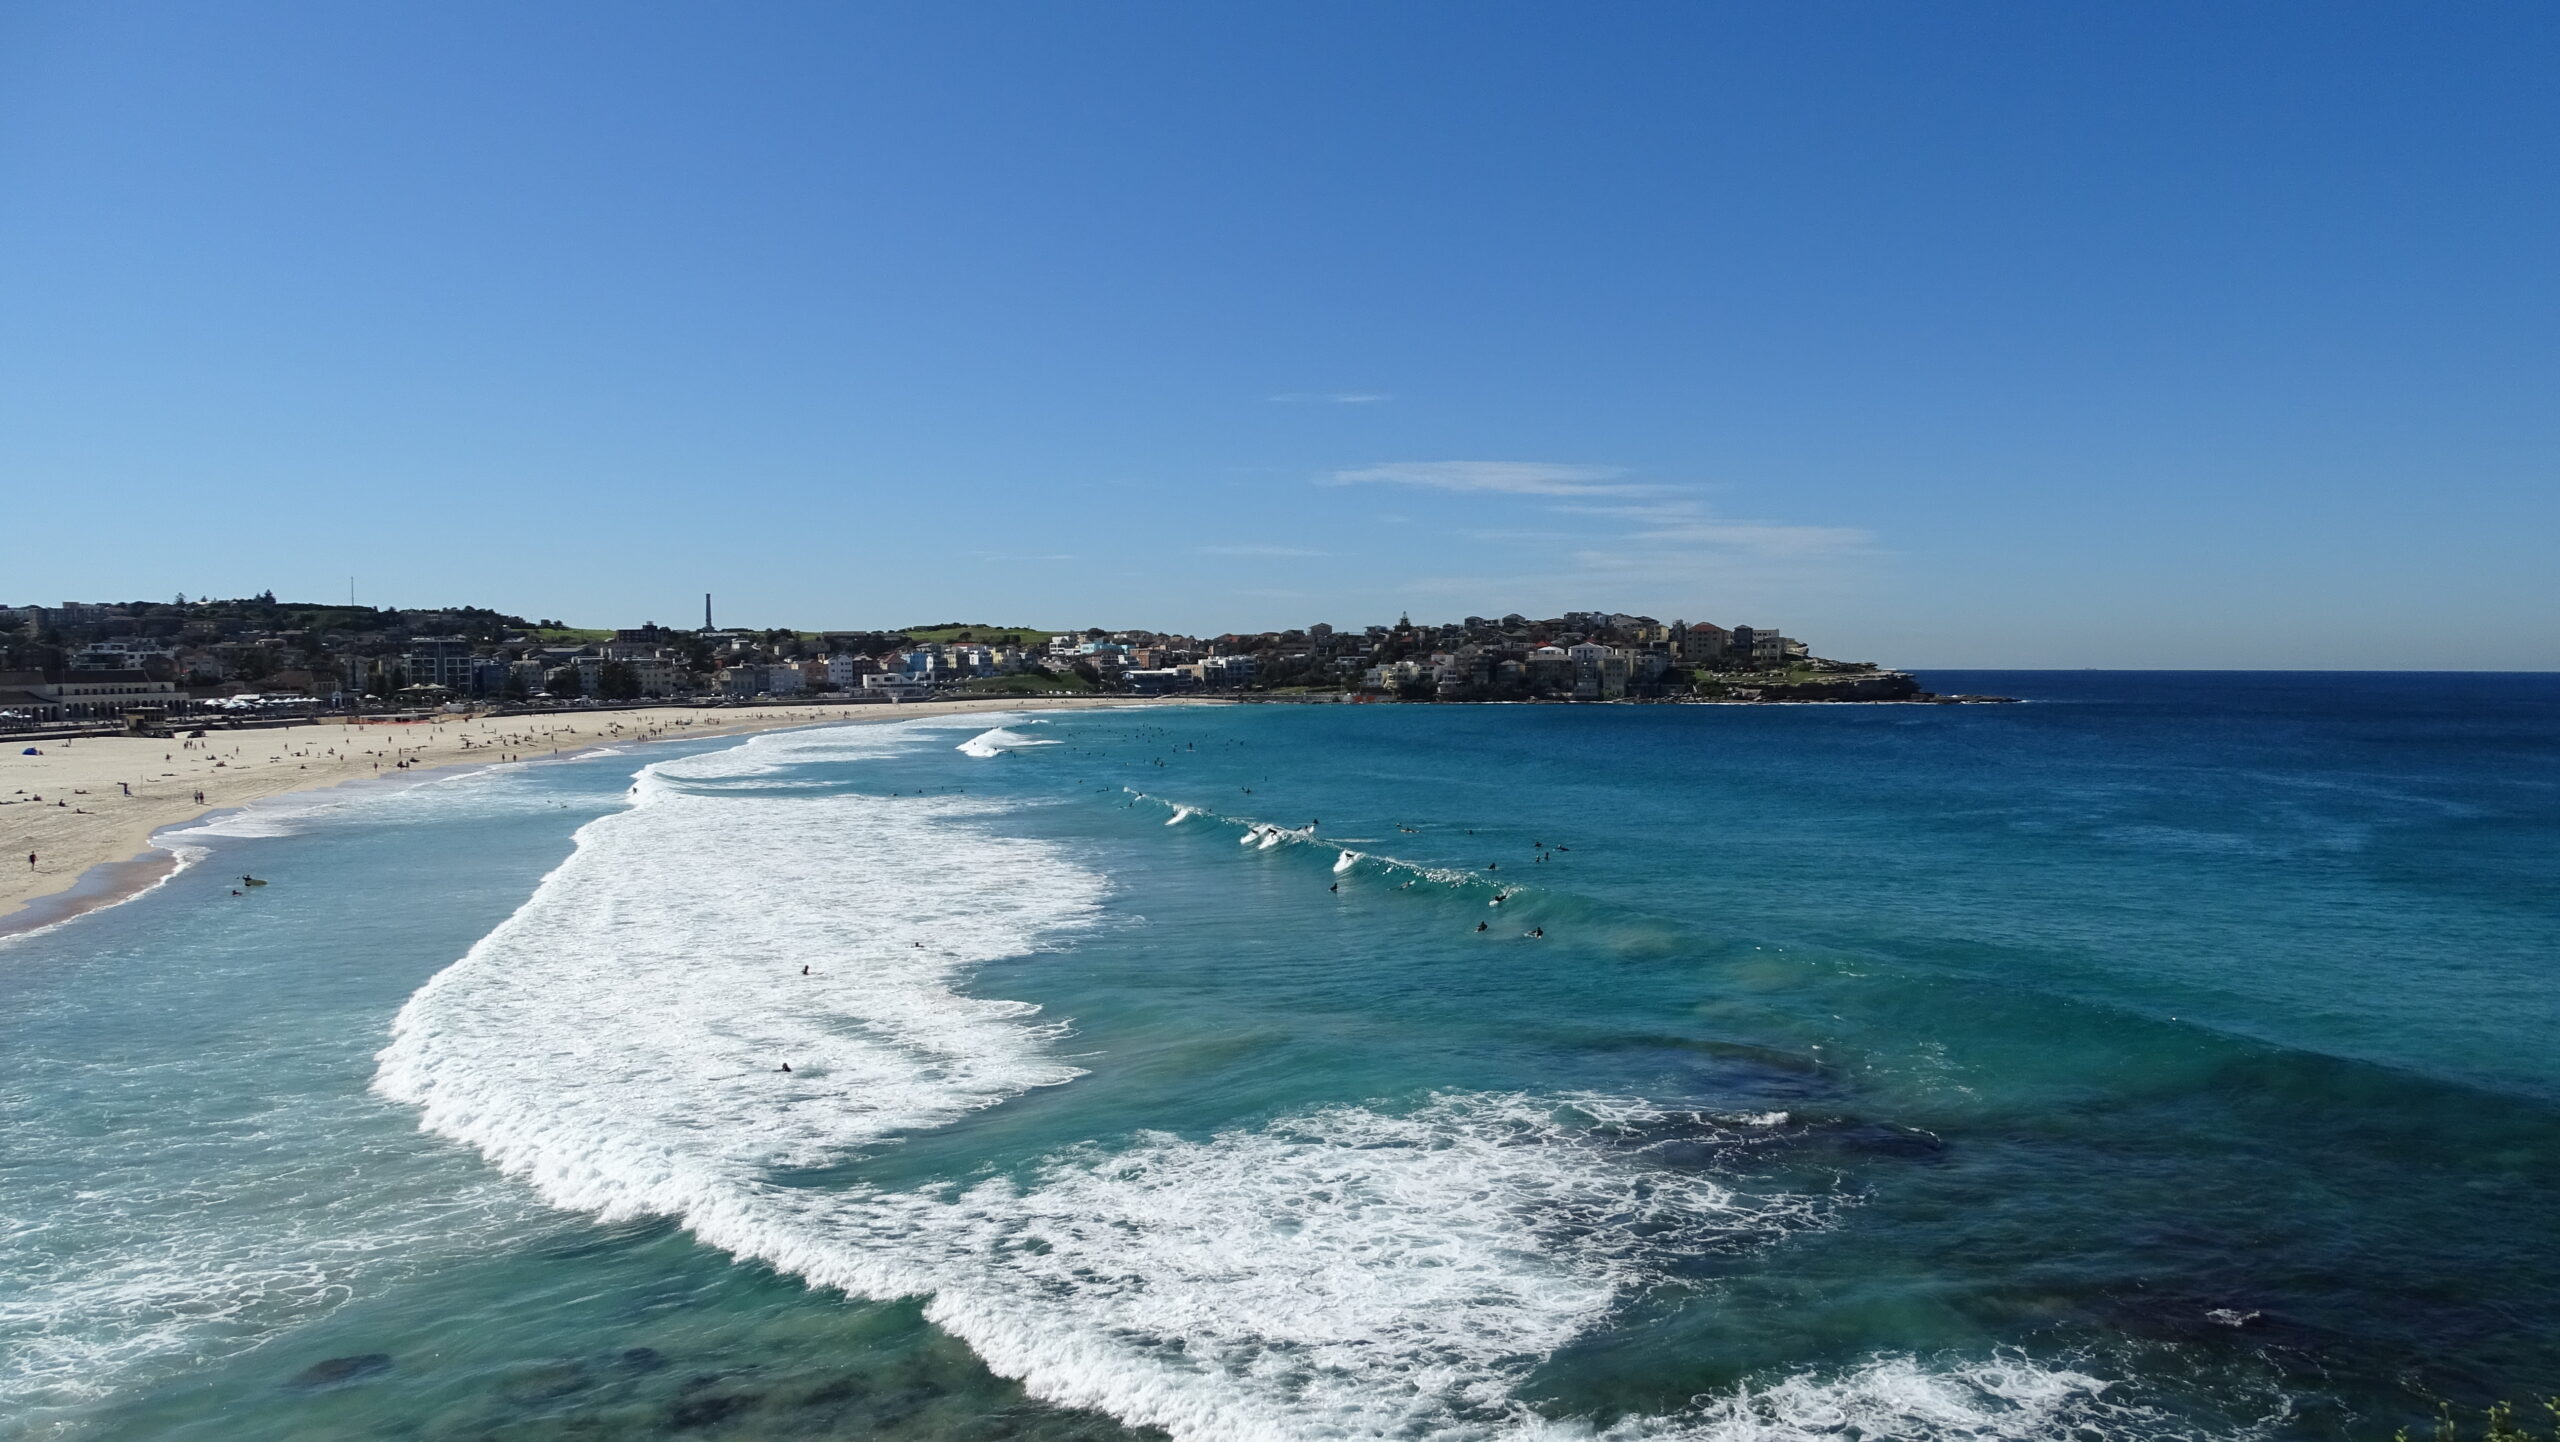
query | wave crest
(1351,1271)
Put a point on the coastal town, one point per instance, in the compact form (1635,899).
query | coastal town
(141,662)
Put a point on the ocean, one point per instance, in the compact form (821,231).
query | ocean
(2166,1056)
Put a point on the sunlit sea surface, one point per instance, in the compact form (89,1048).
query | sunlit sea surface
(2169,1056)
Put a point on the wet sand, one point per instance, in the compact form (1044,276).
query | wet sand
(86,809)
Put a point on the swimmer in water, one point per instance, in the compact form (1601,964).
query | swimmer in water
(1480,926)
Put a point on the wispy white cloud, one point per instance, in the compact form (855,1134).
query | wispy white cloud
(1584,535)
(1257,551)
(1761,538)
(1645,511)
(1509,478)
(1331,398)
(1688,524)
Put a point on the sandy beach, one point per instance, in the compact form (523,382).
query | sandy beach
(85,809)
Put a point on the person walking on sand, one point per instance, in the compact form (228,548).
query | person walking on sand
(31,861)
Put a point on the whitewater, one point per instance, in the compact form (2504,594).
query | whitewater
(1708,1074)
(620,1043)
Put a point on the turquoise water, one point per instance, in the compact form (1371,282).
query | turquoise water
(2169,1057)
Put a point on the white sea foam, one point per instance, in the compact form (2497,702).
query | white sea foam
(618,1040)
(1347,860)
(405,795)
(2005,1398)
(1351,1272)
(1264,835)
(150,1279)
(999,741)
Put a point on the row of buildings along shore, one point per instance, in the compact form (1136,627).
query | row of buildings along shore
(99,661)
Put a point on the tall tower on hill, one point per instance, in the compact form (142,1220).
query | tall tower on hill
(706,610)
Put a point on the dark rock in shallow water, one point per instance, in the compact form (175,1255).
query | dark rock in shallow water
(1884,1139)
(840,1389)
(543,1382)
(643,1359)
(708,1408)
(337,1371)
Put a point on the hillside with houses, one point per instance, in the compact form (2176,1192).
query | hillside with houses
(81,661)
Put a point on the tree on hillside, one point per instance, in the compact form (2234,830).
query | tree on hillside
(616,681)
(563,682)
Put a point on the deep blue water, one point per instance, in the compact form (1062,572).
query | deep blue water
(2168,1055)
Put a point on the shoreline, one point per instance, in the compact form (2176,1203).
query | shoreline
(91,860)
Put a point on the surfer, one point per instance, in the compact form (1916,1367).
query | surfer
(1480,926)
(786,1066)
(804,971)
(1337,886)
(1538,932)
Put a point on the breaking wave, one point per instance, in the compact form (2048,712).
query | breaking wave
(1350,1271)
(1264,836)
(997,742)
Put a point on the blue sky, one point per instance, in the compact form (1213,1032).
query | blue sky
(1947,334)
